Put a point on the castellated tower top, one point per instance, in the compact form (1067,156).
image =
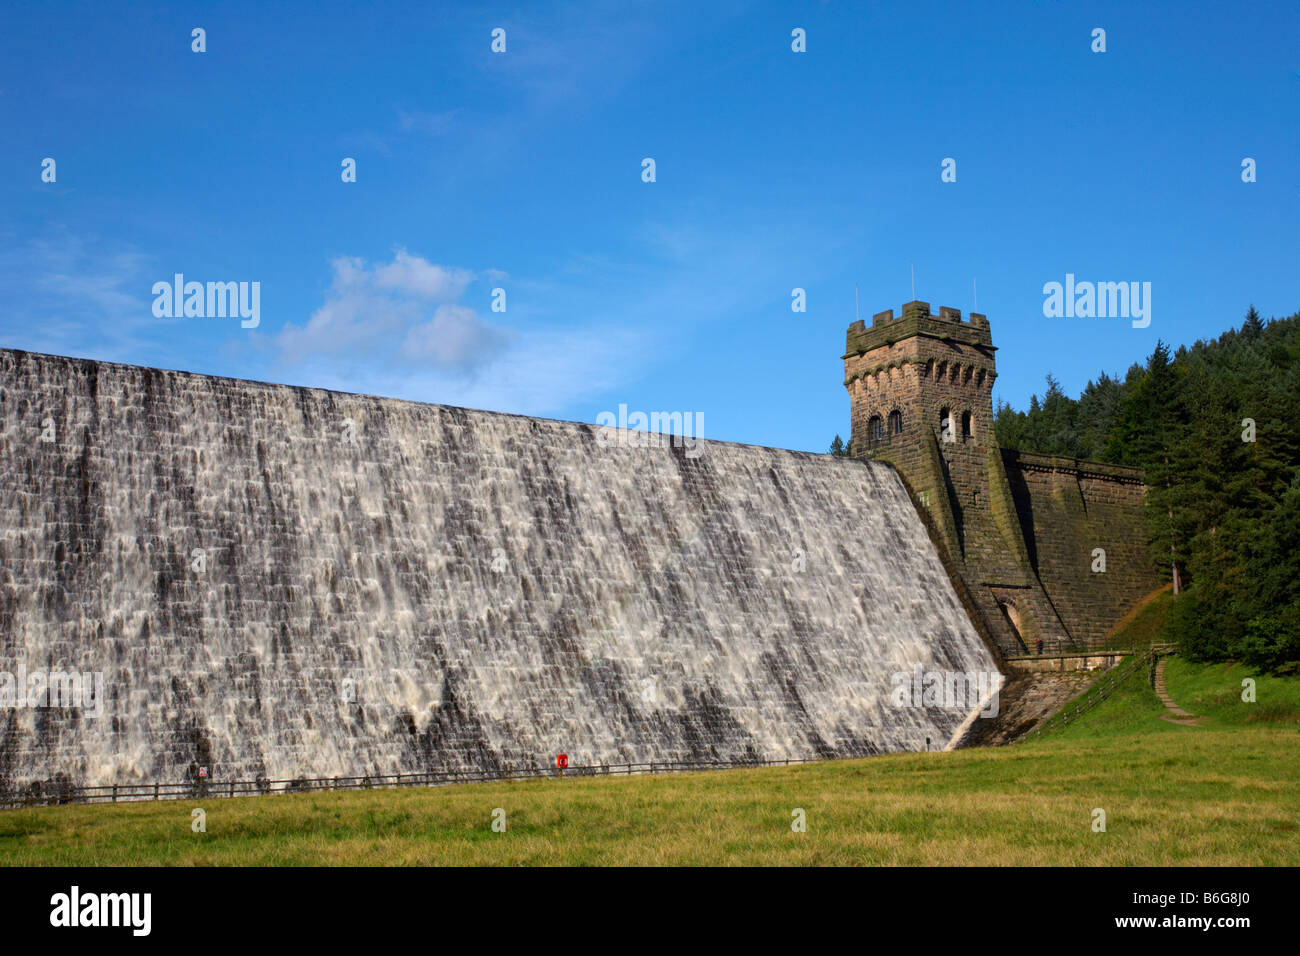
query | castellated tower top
(916,376)
(918,379)
(917,320)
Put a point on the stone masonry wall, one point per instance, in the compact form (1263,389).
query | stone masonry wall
(1067,509)
(920,366)
(278,582)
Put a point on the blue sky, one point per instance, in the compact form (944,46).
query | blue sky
(522,171)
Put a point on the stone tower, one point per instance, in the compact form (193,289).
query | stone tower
(921,390)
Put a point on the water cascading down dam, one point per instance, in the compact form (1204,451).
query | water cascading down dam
(287,582)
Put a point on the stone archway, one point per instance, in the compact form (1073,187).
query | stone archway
(1011,614)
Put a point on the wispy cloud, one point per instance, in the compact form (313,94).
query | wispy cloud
(578,52)
(413,276)
(402,311)
(401,329)
(76,295)
(454,338)
(419,121)
(561,60)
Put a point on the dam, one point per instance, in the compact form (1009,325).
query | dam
(284,582)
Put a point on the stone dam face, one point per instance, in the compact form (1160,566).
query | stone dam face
(289,582)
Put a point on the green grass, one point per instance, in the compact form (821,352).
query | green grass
(1215,691)
(1210,692)
(1132,709)
(1141,626)
(1222,796)
(1224,793)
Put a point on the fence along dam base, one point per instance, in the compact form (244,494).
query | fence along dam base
(280,582)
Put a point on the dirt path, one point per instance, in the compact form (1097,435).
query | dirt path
(1176,714)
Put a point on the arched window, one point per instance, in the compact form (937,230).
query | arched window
(895,422)
(945,425)
(966,432)
(875,429)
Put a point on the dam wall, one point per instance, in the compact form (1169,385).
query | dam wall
(275,581)
(1083,528)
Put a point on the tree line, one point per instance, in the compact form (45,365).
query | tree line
(1215,429)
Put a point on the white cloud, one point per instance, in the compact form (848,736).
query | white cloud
(456,337)
(550,371)
(399,329)
(382,310)
(411,275)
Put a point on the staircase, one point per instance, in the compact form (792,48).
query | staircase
(1111,681)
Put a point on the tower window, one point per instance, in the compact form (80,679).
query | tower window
(875,429)
(895,422)
(965,426)
(945,425)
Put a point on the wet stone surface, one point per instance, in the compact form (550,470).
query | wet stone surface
(270,591)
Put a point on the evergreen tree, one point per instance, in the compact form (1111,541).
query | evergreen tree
(1215,427)
(1095,416)
(1010,427)
(1154,424)
(1253,325)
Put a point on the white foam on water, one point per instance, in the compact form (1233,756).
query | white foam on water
(373,563)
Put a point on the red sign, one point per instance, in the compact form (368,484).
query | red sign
(561,760)
(203,771)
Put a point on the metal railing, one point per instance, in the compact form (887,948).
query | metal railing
(54,793)
(51,793)
(1066,647)
(1106,685)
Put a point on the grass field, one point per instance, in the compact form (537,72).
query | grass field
(1141,626)
(1225,793)
(1212,692)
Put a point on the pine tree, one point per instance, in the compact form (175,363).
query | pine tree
(1253,325)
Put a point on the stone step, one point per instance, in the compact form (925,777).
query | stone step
(1163,694)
